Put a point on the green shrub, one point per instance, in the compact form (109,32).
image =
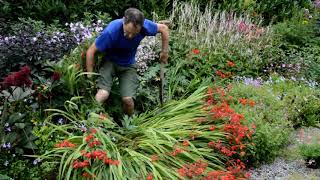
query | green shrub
(268,114)
(311,154)
(310,150)
(74,10)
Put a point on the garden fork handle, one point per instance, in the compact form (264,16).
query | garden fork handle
(161,82)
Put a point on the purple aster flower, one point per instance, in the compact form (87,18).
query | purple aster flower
(61,121)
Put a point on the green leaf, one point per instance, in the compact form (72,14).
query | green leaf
(20,125)
(30,145)
(20,94)
(19,151)
(11,137)
(14,117)
(4,177)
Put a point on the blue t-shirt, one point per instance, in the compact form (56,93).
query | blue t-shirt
(118,48)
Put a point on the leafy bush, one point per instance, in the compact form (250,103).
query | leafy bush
(310,150)
(25,168)
(74,10)
(273,129)
(28,45)
(271,11)
(218,38)
(311,154)
(295,52)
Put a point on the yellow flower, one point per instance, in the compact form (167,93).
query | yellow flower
(34,122)
(305,22)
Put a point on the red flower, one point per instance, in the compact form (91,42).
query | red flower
(89,137)
(25,70)
(55,76)
(85,174)
(230,63)
(176,151)
(149,177)
(193,170)
(154,158)
(252,103)
(212,128)
(211,144)
(220,73)
(115,162)
(93,130)
(20,78)
(95,143)
(243,101)
(185,143)
(65,143)
(196,51)
(77,164)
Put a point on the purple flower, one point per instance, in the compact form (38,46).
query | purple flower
(6,145)
(8,129)
(61,121)
(251,81)
(36,161)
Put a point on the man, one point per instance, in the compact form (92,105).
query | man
(120,40)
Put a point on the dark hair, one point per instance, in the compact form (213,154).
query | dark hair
(134,16)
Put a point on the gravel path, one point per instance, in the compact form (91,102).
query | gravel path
(291,166)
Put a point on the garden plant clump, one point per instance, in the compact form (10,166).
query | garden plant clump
(239,84)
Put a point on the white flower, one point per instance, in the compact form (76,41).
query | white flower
(6,163)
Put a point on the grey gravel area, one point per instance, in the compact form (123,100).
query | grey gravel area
(290,168)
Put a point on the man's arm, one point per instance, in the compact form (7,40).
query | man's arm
(164,30)
(90,58)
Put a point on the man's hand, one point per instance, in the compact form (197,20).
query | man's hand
(164,57)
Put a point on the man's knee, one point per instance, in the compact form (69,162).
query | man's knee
(102,95)
(128,101)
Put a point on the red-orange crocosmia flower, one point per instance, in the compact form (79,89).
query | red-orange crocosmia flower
(196,51)
(154,158)
(149,177)
(185,143)
(252,103)
(65,143)
(230,63)
(212,128)
(243,101)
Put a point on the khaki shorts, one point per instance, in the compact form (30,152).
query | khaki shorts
(127,76)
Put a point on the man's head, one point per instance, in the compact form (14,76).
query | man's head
(132,22)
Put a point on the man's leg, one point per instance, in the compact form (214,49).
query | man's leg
(128,105)
(102,95)
(128,87)
(105,81)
